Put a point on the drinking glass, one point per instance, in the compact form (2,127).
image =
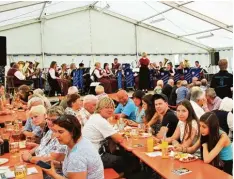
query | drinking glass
(20,171)
(14,148)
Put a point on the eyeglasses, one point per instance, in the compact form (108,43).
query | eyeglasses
(64,118)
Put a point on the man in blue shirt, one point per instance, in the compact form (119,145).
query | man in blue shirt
(126,107)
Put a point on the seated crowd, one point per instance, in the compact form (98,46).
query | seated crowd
(79,140)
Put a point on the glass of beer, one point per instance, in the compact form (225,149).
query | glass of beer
(16,136)
(20,171)
(14,148)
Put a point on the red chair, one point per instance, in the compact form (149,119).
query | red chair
(110,173)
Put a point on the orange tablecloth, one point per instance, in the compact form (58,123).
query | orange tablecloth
(164,167)
(12,161)
(20,115)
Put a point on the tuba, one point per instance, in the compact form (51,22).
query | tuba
(186,64)
(36,70)
(35,65)
(165,62)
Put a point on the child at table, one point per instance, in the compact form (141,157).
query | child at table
(187,130)
(215,145)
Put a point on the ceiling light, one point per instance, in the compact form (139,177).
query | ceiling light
(157,20)
(205,36)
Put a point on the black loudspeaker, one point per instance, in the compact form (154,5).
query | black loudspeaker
(216,58)
(3,51)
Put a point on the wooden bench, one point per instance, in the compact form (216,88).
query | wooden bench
(110,173)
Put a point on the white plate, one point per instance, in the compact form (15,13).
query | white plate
(3,160)
(145,135)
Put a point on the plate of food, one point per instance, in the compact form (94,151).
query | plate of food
(184,157)
(3,161)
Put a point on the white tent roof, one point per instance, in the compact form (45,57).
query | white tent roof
(184,19)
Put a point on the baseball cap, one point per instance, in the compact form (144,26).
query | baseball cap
(160,96)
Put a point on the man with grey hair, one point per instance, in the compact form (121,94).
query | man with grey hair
(197,100)
(30,130)
(213,101)
(194,80)
(168,88)
(89,106)
(71,90)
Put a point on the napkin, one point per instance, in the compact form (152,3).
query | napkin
(154,154)
(158,153)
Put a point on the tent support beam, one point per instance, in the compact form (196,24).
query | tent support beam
(200,32)
(163,12)
(18,5)
(42,10)
(198,15)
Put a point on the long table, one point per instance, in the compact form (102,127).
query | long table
(20,115)
(164,167)
(12,162)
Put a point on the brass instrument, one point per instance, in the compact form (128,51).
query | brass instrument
(25,68)
(186,63)
(165,62)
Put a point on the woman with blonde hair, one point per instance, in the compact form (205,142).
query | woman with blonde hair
(98,131)
(144,73)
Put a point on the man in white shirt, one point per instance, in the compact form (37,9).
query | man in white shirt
(198,101)
(19,78)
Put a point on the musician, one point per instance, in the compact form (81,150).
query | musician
(144,73)
(115,65)
(107,70)
(53,78)
(63,72)
(32,73)
(113,81)
(197,65)
(72,67)
(161,68)
(102,77)
(170,69)
(180,70)
(19,78)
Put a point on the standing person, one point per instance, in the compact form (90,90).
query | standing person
(222,81)
(53,79)
(144,73)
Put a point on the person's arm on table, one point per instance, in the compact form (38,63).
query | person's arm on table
(209,156)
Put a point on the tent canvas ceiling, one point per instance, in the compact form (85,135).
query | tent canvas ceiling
(174,21)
